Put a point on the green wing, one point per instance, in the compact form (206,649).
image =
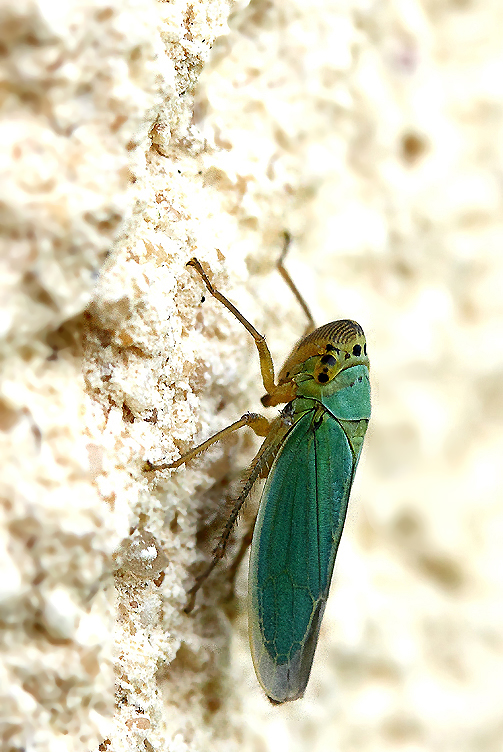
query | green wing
(295,542)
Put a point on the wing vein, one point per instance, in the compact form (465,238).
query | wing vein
(317,507)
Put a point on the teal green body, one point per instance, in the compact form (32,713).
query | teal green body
(299,525)
(308,457)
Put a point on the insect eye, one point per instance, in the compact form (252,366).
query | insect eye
(328,360)
(357,350)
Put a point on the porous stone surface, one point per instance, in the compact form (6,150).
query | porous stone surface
(134,136)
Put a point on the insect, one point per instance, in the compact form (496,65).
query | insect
(308,457)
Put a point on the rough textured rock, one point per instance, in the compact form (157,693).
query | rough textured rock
(137,135)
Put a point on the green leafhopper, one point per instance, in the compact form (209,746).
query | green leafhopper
(308,458)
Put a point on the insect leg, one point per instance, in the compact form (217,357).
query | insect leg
(293,287)
(217,556)
(259,467)
(219,550)
(266,364)
(243,547)
(258,423)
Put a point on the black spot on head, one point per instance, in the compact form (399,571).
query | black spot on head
(365,349)
(323,378)
(330,347)
(347,355)
(357,350)
(329,360)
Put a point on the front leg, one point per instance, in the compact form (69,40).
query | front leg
(258,423)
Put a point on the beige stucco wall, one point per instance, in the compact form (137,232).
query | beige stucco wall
(133,136)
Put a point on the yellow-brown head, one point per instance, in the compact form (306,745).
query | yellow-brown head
(336,346)
(318,358)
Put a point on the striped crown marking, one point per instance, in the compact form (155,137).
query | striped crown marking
(342,331)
